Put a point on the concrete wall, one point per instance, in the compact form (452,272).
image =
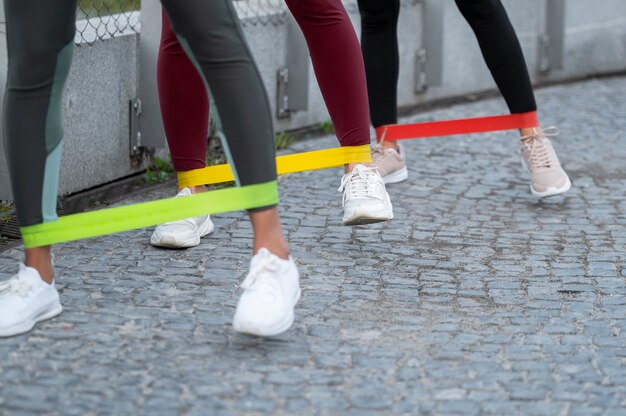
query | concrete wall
(102,81)
(104,77)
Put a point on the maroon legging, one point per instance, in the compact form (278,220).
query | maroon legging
(338,65)
(184,103)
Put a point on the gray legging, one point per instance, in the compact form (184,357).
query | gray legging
(40,39)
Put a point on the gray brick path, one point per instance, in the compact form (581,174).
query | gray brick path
(476,299)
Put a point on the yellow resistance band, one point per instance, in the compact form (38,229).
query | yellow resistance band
(114,220)
(300,162)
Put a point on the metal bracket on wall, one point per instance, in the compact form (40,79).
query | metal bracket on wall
(292,89)
(429,59)
(551,42)
(136,148)
(282,96)
(421,83)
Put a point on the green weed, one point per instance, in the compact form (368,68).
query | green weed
(283,141)
(327,127)
(159,172)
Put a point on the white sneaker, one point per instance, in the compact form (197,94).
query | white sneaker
(25,299)
(365,199)
(272,289)
(184,233)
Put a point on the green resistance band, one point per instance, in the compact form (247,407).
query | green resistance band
(115,220)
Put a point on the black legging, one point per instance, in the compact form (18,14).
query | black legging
(496,36)
(40,40)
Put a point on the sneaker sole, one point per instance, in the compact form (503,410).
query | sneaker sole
(256,330)
(171,242)
(30,324)
(397,177)
(367,217)
(552,191)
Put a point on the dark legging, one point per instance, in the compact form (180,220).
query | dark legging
(496,37)
(184,103)
(40,36)
(338,67)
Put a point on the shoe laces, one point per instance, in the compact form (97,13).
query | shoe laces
(539,155)
(359,183)
(260,276)
(378,153)
(15,286)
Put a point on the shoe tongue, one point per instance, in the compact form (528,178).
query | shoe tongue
(360,168)
(258,257)
(184,192)
(29,275)
(265,255)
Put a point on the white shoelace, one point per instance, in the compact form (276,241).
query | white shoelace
(259,276)
(359,183)
(538,154)
(15,285)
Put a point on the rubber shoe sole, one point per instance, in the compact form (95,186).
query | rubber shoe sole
(171,242)
(28,325)
(397,177)
(552,191)
(364,217)
(256,330)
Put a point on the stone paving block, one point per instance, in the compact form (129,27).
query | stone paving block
(476,299)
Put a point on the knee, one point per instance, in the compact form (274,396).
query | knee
(169,40)
(35,66)
(376,14)
(321,11)
(479,10)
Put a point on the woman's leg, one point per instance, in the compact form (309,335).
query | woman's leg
(184,103)
(504,57)
(340,72)
(379,42)
(185,112)
(502,51)
(210,33)
(338,66)
(40,42)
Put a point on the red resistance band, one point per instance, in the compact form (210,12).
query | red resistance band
(453,127)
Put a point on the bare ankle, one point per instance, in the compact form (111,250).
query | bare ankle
(350,166)
(527,131)
(391,145)
(279,249)
(197,189)
(40,259)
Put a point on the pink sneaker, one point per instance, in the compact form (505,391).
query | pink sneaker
(547,177)
(391,164)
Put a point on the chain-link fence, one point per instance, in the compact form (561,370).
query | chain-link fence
(102,19)
(261,12)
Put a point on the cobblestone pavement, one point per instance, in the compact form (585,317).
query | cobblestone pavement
(476,299)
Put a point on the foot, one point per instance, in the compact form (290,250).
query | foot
(365,199)
(26,299)
(391,163)
(538,157)
(271,291)
(184,233)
